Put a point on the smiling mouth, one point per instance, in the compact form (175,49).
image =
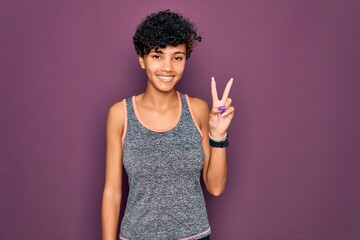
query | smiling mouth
(166,78)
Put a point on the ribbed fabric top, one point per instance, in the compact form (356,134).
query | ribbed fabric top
(165,200)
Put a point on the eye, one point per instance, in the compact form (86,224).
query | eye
(178,58)
(156,56)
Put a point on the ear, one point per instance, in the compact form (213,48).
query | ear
(141,61)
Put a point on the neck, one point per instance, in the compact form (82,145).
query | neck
(159,100)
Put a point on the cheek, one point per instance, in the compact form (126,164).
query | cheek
(181,67)
(152,67)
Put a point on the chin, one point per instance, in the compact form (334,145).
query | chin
(166,90)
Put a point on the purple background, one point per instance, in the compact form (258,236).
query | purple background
(294,156)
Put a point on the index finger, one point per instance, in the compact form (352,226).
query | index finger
(213,90)
(227,90)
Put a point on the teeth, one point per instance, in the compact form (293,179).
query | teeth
(166,78)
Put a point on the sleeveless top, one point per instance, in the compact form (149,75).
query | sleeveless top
(165,200)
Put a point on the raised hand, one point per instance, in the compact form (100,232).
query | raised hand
(221,112)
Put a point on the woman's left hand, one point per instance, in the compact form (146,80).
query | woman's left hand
(221,112)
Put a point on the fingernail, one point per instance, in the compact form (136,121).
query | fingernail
(222,109)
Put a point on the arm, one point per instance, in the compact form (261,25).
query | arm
(111,199)
(213,122)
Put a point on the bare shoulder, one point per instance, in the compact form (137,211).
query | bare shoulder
(117,110)
(200,109)
(116,115)
(198,104)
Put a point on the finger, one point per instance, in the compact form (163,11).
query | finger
(222,108)
(213,90)
(229,112)
(215,110)
(228,102)
(227,90)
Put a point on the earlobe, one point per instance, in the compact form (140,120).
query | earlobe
(141,62)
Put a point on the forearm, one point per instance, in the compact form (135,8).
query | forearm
(217,171)
(110,212)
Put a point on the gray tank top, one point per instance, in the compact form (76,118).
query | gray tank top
(165,200)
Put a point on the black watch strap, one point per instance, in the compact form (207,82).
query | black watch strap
(222,144)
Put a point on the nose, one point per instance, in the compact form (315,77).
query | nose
(167,66)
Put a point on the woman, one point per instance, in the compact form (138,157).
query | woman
(165,140)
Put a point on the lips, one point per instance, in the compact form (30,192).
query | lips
(166,78)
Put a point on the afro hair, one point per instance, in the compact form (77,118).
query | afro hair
(164,28)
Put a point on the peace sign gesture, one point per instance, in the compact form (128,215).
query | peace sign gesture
(221,112)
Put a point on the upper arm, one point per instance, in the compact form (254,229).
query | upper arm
(201,114)
(115,126)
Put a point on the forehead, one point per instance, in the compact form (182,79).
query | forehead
(171,49)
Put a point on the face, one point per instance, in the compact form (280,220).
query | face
(164,67)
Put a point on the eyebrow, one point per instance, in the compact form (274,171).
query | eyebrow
(179,53)
(159,51)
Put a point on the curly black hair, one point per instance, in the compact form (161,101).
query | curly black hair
(164,28)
